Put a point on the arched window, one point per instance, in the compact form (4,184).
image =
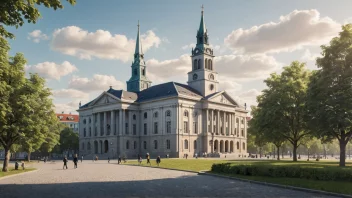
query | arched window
(244,146)
(195,144)
(238,146)
(145,145)
(199,64)
(155,114)
(145,115)
(88,146)
(210,64)
(134,116)
(168,145)
(128,144)
(134,145)
(186,144)
(186,113)
(211,76)
(84,121)
(143,72)
(206,63)
(83,146)
(84,132)
(168,113)
(90,131)
(195,64)
(155,144)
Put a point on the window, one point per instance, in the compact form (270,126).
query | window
(168,127)
(145,115)
(155,114)
(155,128)
(134,129)
(195,145)
(199,64)
(242,121)
(237,120)
(186,144)
(211,87)
(128,144)
(134,145)
(90,131)
(210,64)
(134,116)
(88,146)
(242,132)
(145,145)
(84,121)
(244,146)
(168,113)
(195,127)
(185,113)
(82,146)
(185,127)
(238,146)
(168,146)
(90,120)
(145,128)
(195,64)
(235,131)
(155,144)
(143,72)
(126,126)
(206,63)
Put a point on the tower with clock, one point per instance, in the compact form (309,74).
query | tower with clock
(203,76)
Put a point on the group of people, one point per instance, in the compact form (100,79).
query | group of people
(75,161)
(147,156)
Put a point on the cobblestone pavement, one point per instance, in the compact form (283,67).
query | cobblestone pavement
(100,179)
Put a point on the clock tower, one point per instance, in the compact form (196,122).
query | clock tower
(203,76)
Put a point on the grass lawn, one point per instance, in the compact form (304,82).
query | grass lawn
(205,164)
(12,171)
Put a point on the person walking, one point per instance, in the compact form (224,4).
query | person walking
(119,160)
(158,160)
(140,160)
(82,159)
(109,160)
(148,159)
(65,162)
(75,160)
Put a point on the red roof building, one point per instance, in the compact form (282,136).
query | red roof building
(70,120)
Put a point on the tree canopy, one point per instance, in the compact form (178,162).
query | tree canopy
(16,12)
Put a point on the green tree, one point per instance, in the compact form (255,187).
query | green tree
(69,140)
(330,92)
(16,12)
(24,103)
(283,106)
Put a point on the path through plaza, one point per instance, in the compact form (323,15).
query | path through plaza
(100,179)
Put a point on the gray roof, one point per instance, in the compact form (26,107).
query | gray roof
(164,90)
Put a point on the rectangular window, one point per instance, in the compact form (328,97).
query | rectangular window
(126,128)
(155,128)
(195,127)
(185,127)
(168,146)
(145,129)
(145,145)
(242,132)
(134,129)
(168,127)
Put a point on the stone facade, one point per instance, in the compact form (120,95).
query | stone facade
(169,118)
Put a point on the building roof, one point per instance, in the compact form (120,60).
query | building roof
(67,117)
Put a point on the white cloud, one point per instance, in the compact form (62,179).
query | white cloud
(97,83)
(52,70)
(70,93)
(250,93)
(75,41)
(228,84)
(37,36)
(308,56)
(298,28)
(69,107)
(190,46)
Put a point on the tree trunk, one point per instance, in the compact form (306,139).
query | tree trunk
(29,157)
(282,153)
(6,161)
(278,152)
(342,152)
(295,152)
(308,154)
(260,152)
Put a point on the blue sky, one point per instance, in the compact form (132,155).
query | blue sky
(83,49)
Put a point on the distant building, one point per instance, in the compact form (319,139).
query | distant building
(72,121)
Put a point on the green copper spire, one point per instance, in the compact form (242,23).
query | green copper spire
(202,35)
(138,44)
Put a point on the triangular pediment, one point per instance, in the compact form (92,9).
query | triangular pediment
(105,98)
(223,98)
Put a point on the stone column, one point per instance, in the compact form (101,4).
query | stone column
(130,126)
(120,122)
(230,124)
(218,122)
(112,122)
(123,121)
(99,124)
(92,124)
(207,122)
(190,125)
(105,132)
(212,121)
(224,123)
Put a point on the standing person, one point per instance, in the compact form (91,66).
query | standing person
(186,156)
(119,160)
(82,159)
(196,155)
(148,159)
(65,162)
(75,160)
(140,160)
(108,159)
(158,160)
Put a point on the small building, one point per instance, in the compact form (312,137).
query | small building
(70,120)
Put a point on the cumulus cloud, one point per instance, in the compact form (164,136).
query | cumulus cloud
(190,46)
(69,107)
(245,66)
(228,84)
(308,56)
(37,36)
(298,28)
(52,70)
(75,41)
(70,93)
(97,83)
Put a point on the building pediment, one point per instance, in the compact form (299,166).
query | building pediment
(222,98)
(105,98)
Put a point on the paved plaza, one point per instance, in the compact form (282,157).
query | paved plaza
(100,179)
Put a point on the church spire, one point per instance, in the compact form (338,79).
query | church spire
(202,34)
(138,50)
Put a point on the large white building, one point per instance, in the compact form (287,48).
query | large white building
(169,118)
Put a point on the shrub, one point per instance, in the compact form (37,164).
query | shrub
(312,173)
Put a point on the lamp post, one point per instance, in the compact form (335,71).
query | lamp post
(112,154)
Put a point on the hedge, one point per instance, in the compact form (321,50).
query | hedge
(312,173)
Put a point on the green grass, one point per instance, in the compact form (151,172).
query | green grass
(12,171)
(205,164)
